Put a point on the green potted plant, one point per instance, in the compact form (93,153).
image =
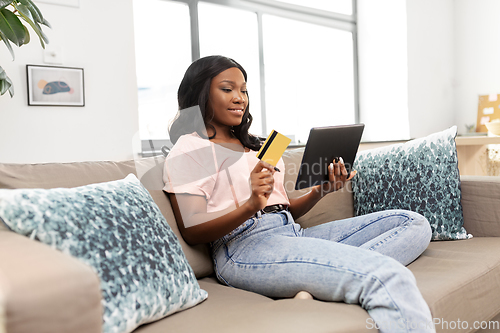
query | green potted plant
(12,29)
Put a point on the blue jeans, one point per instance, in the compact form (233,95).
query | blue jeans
(357,260)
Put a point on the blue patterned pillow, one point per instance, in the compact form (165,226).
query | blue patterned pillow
(119,231)
(420,175)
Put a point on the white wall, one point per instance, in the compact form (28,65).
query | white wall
(97,36)
(453,57)
(477,55)
(382,55)
(414,96)
(431,59)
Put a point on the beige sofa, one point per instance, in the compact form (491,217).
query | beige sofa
(45,291)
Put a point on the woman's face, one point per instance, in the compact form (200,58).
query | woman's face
(228,98)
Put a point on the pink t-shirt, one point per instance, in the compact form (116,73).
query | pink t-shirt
(222,175)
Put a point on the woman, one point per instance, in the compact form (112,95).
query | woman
(223,195)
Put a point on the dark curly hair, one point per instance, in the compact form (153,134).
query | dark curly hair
(194,90)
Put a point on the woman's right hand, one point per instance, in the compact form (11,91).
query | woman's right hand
(262,185)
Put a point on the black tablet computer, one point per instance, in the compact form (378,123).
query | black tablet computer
(325,144)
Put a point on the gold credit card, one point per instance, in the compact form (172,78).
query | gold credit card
(272,149)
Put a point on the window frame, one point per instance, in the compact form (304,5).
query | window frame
(291,11)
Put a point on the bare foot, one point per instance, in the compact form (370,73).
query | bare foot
(303,295)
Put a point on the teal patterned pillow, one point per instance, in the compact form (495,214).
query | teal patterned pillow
(119,231)
(420,175)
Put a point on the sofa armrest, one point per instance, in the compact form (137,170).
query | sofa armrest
(481,205)
(43,290)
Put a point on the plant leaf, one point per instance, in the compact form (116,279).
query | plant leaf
(5,83)
(27,37)
(5,3)
(35,12)
(44,36)
(4,86)
(7,43)
(26,15)
(11,88)
(46,23)
(12,27)
(3,74)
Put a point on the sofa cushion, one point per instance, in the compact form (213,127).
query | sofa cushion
(116,228)
(334,206)
(150,173)
(480,198)
(148,170)
(456,280)
(45,291)
(420,175)
(230,310)
(460,281)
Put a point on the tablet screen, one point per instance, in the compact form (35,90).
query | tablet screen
(323,145)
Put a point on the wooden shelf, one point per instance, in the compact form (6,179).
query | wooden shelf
(477,140)
(473,158)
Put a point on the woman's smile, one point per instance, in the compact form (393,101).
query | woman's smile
(237,111)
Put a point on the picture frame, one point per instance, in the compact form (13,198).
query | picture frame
(69,3)
(55,86)
(488,109)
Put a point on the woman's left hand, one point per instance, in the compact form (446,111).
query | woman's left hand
(337,177)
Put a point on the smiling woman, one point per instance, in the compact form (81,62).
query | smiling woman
(228,99)
(218,99)
(223,194)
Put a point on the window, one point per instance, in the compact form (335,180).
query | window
(240,43)
(336,6)
(309,82)
(163,52)
(300,57)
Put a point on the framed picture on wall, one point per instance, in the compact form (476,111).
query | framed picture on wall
(488,109)
(55,86)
